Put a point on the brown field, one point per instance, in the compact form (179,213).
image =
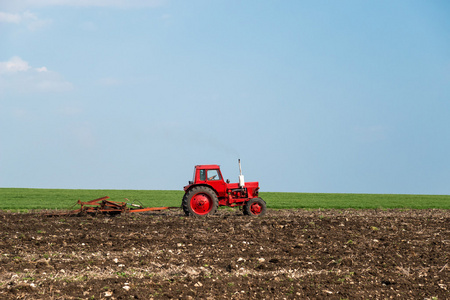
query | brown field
(287,254)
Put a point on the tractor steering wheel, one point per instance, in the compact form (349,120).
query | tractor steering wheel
(212,177)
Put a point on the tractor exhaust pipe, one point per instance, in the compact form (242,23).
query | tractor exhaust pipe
(240,170)
(241,177)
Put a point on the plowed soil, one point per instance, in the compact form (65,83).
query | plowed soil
(287,254)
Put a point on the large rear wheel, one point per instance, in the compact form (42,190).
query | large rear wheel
(255,207)
(200,201)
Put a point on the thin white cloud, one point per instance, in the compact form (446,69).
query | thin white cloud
(52,83)
(25,4)
(17,75)
(14,65)
(31,20)
(10,18)
(42,69)
(69,111)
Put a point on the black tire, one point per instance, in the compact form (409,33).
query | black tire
(184,206)
(255,207)
(200,201)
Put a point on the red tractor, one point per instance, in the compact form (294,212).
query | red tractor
(208,190)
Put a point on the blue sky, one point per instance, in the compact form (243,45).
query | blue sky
(312,96)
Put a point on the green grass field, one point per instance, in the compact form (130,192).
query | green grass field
(17,199)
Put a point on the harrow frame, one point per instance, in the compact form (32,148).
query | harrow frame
(103,205)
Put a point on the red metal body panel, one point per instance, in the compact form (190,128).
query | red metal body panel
(208,167)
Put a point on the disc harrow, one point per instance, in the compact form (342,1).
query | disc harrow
(105,206)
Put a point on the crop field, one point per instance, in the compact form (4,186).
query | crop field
(30,199)
(384,247)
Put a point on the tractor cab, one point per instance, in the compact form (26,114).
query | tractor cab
(209,175)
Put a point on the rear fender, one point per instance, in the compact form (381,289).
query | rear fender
(190,187)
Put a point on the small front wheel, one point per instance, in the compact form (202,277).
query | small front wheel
(255,207)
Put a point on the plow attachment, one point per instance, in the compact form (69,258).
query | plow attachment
(103,205)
